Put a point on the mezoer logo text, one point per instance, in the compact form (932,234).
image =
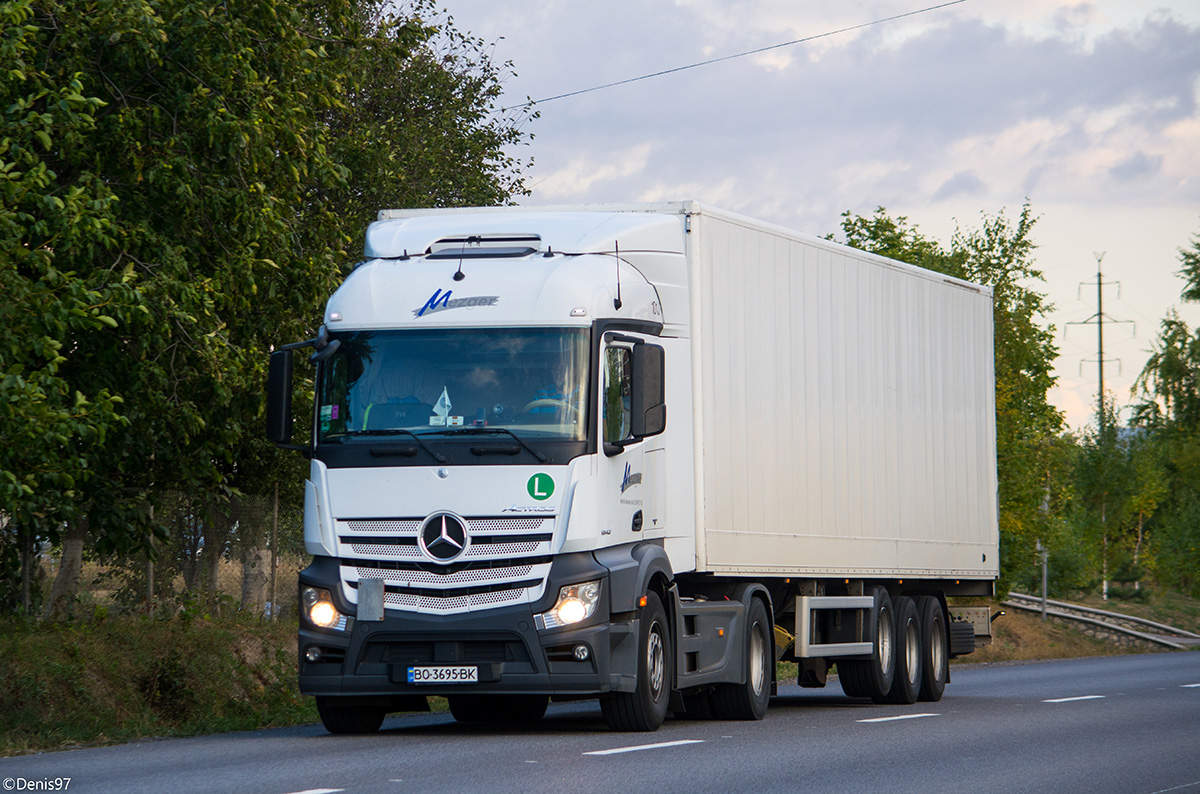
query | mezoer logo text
(440,302)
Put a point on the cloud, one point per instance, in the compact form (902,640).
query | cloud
(587,172)
(945,109)
(962,183)
(1139,165)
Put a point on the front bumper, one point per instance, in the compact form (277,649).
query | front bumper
(371,659)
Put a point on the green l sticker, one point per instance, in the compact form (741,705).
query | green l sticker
(540,486)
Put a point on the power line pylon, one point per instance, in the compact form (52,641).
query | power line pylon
(1098,319)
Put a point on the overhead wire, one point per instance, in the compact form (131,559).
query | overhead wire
(723,58)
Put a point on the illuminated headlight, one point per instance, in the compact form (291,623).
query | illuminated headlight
(576,602)
(319,609)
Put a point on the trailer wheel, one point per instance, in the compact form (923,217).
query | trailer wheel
(872,677)
(906,683)
(498,708)
(935,661)
(645,708)
(349,719)
(749,701)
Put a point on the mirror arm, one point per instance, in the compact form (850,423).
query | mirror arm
(614,448)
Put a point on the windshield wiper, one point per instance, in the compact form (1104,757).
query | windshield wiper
(400,431)
(491,431)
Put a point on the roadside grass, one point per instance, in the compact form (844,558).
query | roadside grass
(1019,635)
(1174,609)
(114,679)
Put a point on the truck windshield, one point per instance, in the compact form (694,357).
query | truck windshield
(533,382)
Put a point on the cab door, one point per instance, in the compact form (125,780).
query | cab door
(631,410)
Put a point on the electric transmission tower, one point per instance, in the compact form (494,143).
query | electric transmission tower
(1099,319)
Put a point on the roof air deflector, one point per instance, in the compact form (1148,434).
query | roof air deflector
(485,246)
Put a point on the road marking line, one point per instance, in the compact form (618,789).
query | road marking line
(1190,686)
(901,717)
(319,791)
(616,750)
(1071,700)
(1177,788)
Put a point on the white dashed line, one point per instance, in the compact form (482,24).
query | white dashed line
(1178,788)
(901,717)
(634,749)
(1072,700)
(1189,686)
(319,791)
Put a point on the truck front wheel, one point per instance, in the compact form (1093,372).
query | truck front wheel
(645,708)
(349,719)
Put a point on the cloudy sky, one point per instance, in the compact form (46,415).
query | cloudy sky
(1088,110)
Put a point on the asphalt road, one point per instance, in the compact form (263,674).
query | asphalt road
(1128,724)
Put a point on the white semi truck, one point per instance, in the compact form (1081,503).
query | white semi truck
(637,453)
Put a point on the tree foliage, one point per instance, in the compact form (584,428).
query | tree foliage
(1169,413)
(1190,272)
(424,127)
(180,184)
(999,254)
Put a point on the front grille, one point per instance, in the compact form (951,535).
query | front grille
(507,562)
(469,576)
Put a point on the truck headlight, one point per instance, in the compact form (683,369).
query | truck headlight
(319,609)
(576,602)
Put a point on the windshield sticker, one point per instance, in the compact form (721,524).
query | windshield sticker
(445,421)
(630,479)
(540,486)
(440,302)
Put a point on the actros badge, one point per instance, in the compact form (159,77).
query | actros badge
(443,537)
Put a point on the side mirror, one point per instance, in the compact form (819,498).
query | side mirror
(648,398)
(279,397)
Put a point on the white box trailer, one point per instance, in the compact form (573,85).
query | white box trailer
(845,419)
(757,445)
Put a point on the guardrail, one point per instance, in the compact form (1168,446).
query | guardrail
(1125,629)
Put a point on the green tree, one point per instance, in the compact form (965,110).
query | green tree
(1169,412)
(1190,272)
(999,254)
(419,126)
(176,183)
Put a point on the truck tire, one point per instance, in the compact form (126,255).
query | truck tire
(645,708)
(498,708)
(872,676)
(906,683)
(749,701)
(935,659)
(349,719)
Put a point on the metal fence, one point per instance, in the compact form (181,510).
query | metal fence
(220,556)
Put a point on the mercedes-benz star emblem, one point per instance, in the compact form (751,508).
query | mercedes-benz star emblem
(443,537)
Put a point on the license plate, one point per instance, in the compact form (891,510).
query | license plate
(443,675)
